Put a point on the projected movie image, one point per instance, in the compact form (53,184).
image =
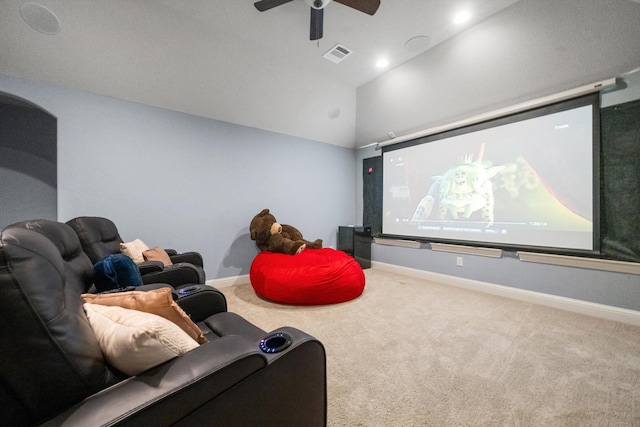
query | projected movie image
(526,183)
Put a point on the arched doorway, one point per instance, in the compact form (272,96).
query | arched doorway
(28,161)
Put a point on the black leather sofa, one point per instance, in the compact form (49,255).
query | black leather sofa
(99,237)
(52,371)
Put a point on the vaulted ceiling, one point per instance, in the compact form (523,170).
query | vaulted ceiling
(224,59)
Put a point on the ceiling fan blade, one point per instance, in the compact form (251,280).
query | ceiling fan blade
(317,16)
(366,6)
(263,5)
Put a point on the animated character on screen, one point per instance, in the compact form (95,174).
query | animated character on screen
(461,190)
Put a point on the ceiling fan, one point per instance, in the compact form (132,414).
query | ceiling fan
(317,10)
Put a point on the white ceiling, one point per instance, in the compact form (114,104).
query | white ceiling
(225,60)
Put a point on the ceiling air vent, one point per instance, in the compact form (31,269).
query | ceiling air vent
(337,53)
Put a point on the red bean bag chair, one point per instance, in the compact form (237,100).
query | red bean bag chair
(313,277)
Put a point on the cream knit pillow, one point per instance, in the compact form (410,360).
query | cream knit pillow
(134,341)
(134,250)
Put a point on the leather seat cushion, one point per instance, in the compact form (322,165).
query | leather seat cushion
(313,277)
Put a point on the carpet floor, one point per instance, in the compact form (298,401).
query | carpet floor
(410,352)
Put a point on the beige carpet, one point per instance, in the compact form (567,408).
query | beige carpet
(409,352)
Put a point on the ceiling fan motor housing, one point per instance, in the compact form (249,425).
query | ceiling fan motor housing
(318,4)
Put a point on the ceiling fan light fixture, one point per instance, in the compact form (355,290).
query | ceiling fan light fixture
(317,11)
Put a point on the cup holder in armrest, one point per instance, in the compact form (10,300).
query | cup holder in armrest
(188,290)
(275,342)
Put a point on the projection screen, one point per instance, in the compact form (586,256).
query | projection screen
(528,180)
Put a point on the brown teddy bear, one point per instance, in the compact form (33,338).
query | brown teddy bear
(274,237)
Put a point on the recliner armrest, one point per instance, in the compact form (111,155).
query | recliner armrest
(152,286)
(190,257)
(147,267)
(176,275)
(167,393)
(200,301)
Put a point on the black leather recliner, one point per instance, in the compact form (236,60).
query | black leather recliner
(52,371)
(99,238)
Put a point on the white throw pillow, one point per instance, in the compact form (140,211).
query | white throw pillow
(134,341)
(134,250)
(155,301)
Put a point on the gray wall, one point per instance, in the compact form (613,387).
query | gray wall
(532,49)
(186,182)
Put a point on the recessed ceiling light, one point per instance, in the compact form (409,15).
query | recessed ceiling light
(462,17)
(382,63)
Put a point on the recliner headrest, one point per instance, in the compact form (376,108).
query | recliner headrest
(67,243)
(98,236)
(61,235)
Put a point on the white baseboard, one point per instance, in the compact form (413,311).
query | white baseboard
(602,311)
(229,281)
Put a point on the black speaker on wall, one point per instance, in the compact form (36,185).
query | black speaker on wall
(372,194)
(620,181)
